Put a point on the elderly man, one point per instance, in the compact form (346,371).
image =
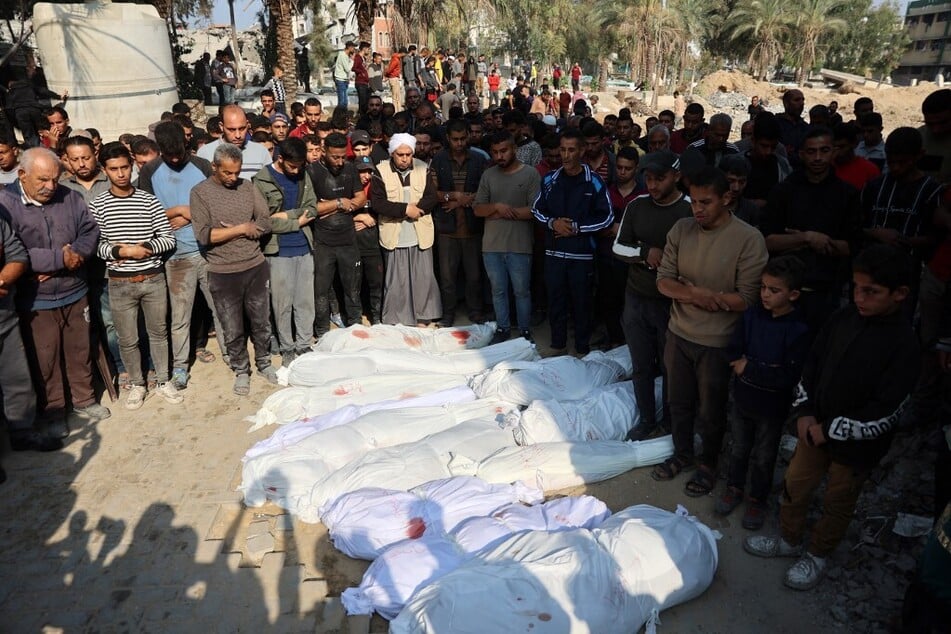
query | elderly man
(18,398)
(56,228)
(658,139)
(229,216)
(404,195)
(715,146)
(234,127)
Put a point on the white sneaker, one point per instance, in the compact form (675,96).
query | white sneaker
(135,397)
(766,546)
(805,573)
(170,393)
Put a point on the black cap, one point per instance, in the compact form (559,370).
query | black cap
(363,163)
(359,137)
(660,162)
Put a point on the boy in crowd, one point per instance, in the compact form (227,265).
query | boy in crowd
(640,242)
(134,237)
(855,383)
(766,353)
(368,242)
(711,270)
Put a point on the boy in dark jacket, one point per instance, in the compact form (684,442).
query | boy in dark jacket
(766,353)
(855,384)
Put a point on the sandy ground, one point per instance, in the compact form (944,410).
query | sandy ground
(136,526)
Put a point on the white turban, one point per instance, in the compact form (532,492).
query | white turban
(401,138)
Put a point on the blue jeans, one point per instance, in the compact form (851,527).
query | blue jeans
(517,268)
(228,92)
(341,92)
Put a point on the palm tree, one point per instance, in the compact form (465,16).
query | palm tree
(280,14)
(814,19)
(768,24)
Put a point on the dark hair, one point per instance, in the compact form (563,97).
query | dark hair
(324,126)
(183,120)
(903,141)
(871,119)
(457,125)
(143,145)
(846,132)
(61,111)
(7,137)
(513,116)
(260,122)
(693,109)
(572,133)
(938,101)
(611,117)
(311,101)
(262,136)
(886,265)
(861,101)
(312,139)
(73,141)
(213,125)
(297,108)
(592,130)
(292,149)
(817,131)
(765,126)
(550,141)
(181,108)
(94,133)
(788,268)
(819,110)
(709,176)
(670,113)
(432,131)
(170,138)
(335,140)
(455,113)
(501,136)
(629,154)
(113,150)
(267,92)
(735,164)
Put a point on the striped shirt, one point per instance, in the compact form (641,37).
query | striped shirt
(135,219)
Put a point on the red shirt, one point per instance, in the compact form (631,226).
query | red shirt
(857,172)
(576,72)
(301,131)
(564,101)
(494,81)
(361,75)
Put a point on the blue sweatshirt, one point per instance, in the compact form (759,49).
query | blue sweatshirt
(775,349)
(584,199)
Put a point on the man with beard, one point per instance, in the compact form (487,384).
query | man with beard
(374,113)
(339,195)
(792,127)
(280,127)
(404,195)
(692,131)
(504,199)
(230,216)
(312,113)
(292,203)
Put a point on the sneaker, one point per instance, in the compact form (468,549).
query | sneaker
(180,378)
(242,384)
(270,374)
(135,397)
(93,411)
(526,335)
(766,546)
(728,500)
(500,336)
(755,515)
(337,320)
(33,440)
(806,573)
(170,393)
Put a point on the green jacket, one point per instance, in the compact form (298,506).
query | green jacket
(274,195)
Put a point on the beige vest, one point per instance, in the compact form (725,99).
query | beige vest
(390,227)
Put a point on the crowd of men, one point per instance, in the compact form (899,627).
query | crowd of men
(805,267)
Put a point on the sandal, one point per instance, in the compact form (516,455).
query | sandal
(729,500)
(204,355)
(670,468)
(702,482)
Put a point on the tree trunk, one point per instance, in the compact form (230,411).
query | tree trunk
(365,11)
(234,47)
(280,16)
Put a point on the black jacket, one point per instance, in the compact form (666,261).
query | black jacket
(856,381)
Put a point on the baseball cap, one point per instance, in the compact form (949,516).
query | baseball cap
(660,162)
(363,163)
(359,137)
(279,116)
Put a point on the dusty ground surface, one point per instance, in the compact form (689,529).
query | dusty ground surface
(136,526)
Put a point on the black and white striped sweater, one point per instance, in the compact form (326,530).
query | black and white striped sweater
(135,219)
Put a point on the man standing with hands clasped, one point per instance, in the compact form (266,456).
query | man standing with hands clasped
(229,216)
